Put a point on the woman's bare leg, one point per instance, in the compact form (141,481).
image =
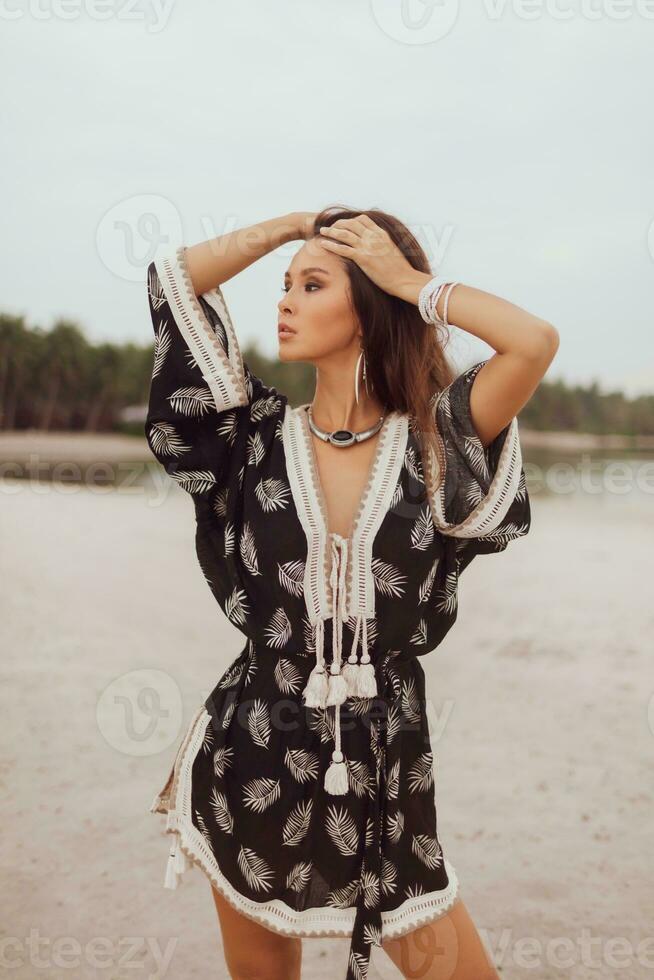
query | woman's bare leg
(253,952)
(449,948)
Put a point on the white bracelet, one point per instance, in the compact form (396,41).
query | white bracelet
(428,300)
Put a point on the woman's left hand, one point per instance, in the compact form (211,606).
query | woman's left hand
(371,247)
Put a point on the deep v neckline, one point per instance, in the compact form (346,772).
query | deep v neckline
(310,505)
(317,481)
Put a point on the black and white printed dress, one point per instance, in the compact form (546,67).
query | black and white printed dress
(304,785)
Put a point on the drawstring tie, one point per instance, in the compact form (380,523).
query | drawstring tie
(356,678)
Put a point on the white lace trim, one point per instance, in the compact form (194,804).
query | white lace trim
(225,375)
(311,507)
(492,508)
(175,801)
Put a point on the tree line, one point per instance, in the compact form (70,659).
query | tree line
(58,380)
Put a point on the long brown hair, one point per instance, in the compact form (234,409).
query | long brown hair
(405,356)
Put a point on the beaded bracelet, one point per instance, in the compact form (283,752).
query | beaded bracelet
(428,300)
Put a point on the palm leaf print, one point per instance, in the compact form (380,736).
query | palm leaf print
(477,457)
(236,607)
(228,428)
(229,539)
(278,631)
(370,889)
(447,596)
(421,774)
(321,720)
(394,680)
(263,407)
(372,935)
(192,401)
(410,701)
(358,966)
(251,668)
(204,830)
(220,807)
(424,591)
(162,342)
(308,637)
(342,898)
(302,764)
(272,494)
(412,464)
(259,723)
(155,288)
(393,782)
(359,707)
(388,877)
(255,450)
(220,502)
(427,849)
(506,533)
(222,760)
(395,826)
(248,550)
(414,891)
(260,794)
(227,716)
(388,579)
(419,635)
(360,779)
(287,677)
(297,823)
(299,876)
(255,870)
(370,832)
(392,723)
(232,675)
(165,440)
(473,493)
(207,740)
(194,481)
(342,830)
(291,576)
(398,495)
(422,532)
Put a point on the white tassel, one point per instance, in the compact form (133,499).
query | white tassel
(181,861)
(337,692)
(336,781)
(315,692)
(367,687)
(350,673)
(171,879)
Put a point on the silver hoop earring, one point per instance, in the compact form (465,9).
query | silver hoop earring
(356,376)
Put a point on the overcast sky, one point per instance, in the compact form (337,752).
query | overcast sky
(514,137)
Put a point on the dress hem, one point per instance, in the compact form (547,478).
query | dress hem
(324,921)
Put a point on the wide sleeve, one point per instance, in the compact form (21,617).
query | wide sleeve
(204,405)
(482,498)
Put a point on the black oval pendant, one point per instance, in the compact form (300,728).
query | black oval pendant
(342,437)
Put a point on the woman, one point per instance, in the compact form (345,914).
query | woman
(333,535)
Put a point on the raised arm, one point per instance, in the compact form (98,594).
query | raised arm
(213,262)
(525,346)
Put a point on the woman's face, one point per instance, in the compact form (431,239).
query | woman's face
(315,304)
